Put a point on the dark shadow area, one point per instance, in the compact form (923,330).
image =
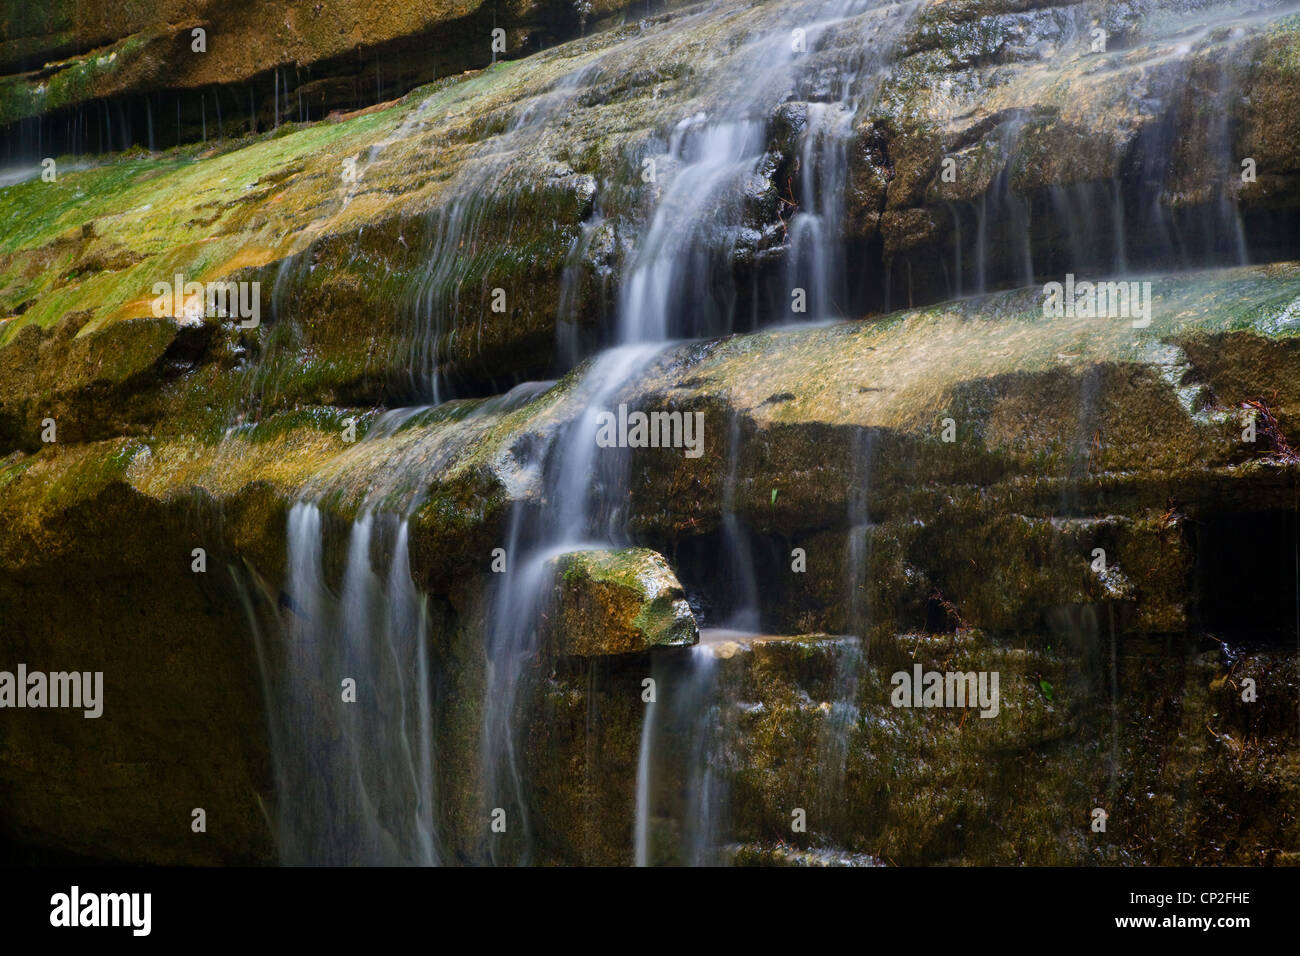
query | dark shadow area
(1244,579)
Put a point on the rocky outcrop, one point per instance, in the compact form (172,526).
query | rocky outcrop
(1076,503)
(1085,724)
(1021,139)
(93,63)
(993,535)
(618,602)
(1057,161)
(823,411)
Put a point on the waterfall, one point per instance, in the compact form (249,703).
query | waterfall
(643,781)
(535,536)
(439,302)
(677,281)
(683,786)
(671,288)
(649,192)
(857,599)
(737,554)
(816,256)
(837,726)
(356,768)
(700,708)
(349,703)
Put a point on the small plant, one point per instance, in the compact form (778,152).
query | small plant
(1268,427)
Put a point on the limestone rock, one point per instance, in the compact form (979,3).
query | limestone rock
(619,602)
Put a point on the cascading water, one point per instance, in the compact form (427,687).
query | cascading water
(816,255)
(737,555)
(1125,220)
(433,692)
(671,288)
(678,279)
(566,522)
(348,678)
(641,825)
(694,740)
(695,718)
(442,303)
(349,704)
(700,707)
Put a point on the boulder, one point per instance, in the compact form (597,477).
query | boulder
(618,602)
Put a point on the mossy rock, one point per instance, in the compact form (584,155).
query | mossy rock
(618,602)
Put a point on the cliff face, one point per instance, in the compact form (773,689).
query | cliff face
(967,169)
(171,71)
(932,471)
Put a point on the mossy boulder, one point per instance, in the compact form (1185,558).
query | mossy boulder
(618,602)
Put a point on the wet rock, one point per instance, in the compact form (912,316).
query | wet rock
(861,512)
(70,56)
(1146,130)
(782,855)
(928,785)
(182,723)
(1062,156)
(618,602)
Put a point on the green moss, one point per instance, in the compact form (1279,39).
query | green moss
(173,213)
